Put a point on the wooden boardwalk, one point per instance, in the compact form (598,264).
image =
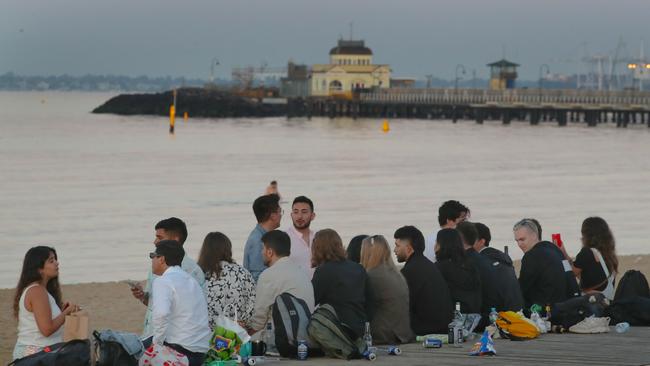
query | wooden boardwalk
(631,348)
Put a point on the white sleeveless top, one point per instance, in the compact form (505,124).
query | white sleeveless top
(30,338)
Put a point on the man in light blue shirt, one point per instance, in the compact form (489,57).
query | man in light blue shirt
(268,214)
(169,229)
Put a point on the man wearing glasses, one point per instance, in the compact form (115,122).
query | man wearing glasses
(180,311)
(543,278)
(268,214)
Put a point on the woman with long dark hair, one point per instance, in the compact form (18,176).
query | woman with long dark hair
(461,276)
(596,264)
(229,287)
(37,303)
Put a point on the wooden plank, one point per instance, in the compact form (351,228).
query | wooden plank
(631,348)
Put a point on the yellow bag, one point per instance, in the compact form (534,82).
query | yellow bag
(516,327)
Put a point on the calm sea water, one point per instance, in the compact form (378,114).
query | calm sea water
(93,186)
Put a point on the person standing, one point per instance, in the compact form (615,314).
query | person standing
(37,303)
(429,298)
(174,229)
(179,310)
(268,213)
(302,236)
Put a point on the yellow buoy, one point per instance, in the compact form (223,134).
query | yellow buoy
(386,126)
(185,116)
(172,118)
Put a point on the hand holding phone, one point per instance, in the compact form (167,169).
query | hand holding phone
(557,239)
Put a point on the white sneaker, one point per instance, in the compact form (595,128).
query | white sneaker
(591,325)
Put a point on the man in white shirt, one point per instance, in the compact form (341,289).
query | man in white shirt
(283,275)
(302,214)
(172,228)
(179,309)
(450,214)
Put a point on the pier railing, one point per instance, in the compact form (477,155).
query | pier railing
(528,97)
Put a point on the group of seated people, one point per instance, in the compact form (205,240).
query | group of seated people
(362,283)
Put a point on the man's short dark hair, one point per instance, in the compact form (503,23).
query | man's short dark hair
(174,226)
(413,235)
(303,199)
(172,251)
(265,205)
(468,232)
(279,241)
(450,210)
(483,232)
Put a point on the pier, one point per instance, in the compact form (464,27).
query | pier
(532,105)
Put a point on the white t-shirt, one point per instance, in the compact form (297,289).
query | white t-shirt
(429,246)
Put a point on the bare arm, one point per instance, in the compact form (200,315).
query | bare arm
(37,301)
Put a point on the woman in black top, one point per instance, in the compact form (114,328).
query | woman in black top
(461,277)
(597,242)
(339,282)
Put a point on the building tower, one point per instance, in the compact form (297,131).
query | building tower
(503,74)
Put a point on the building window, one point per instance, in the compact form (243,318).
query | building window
(323,85)
(336,86)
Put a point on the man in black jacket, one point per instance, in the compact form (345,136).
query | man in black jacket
(511,298)
(429,299)
(545,277)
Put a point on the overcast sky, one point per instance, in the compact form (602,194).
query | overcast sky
(416,37)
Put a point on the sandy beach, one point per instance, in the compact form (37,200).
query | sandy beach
(112,306)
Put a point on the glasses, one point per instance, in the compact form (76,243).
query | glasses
(153,255)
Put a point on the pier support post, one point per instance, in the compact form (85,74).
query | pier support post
(505,115)
(561,117)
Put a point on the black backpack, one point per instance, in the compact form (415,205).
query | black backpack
(574,310)
(108,353)
(72,353)
(290,319)
(632,284)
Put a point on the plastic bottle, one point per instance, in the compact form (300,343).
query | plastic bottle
(622,327)
(269,337)
(493,316)
(367,337)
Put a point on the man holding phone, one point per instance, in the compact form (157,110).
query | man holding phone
(172,228)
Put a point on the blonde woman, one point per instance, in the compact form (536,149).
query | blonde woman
(390,301)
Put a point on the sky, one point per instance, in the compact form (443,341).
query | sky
(415,37)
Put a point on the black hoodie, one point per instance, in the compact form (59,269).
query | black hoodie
(508,285)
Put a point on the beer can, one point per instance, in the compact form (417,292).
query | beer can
(394,351)
(430,342)
(370,356)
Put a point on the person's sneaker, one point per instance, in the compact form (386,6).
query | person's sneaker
(591,325)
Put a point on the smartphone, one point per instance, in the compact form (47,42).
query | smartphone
(133,284)
(557,239)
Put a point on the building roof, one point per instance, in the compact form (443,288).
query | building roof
(347,68)
(503,63)
(350,48)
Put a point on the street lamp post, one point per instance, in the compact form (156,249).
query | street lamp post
(539,84)
(461,67)
(214,63)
